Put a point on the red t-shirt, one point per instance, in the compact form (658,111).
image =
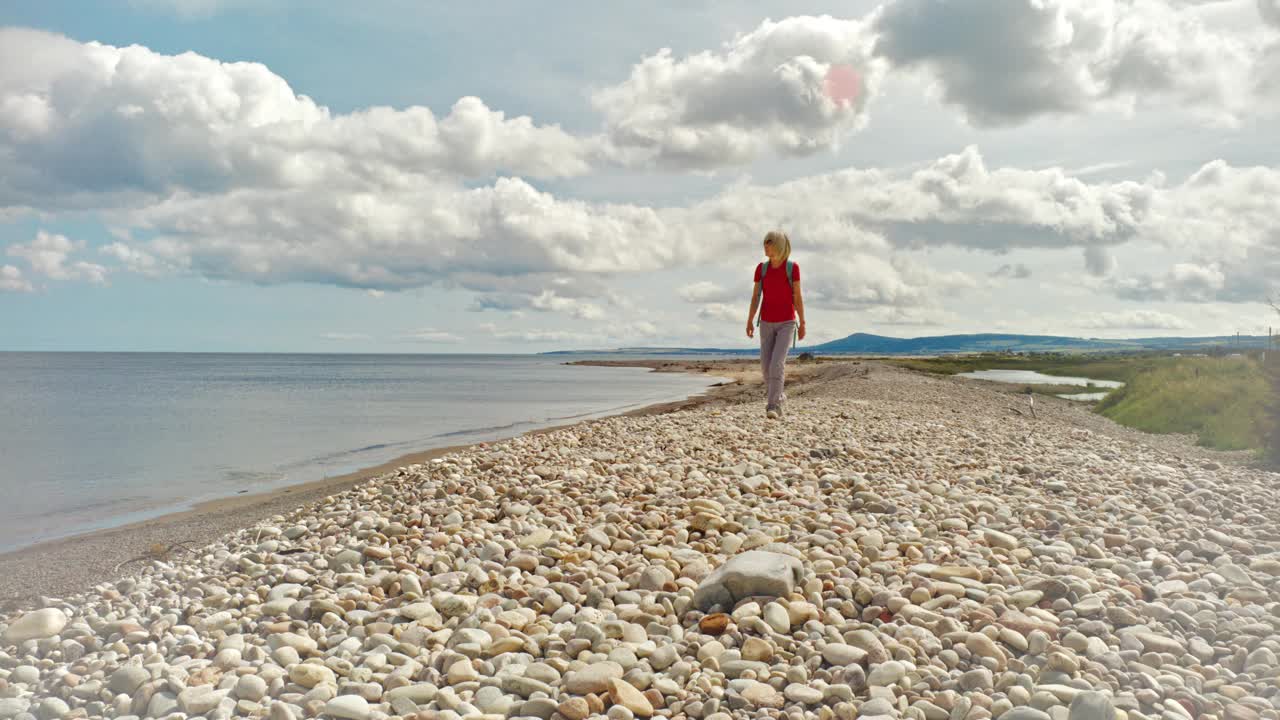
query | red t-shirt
(779,304)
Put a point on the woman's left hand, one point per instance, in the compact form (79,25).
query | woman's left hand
(801,331)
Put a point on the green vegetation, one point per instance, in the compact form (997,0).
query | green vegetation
(1223,401)
(1272,373)
(1226,402)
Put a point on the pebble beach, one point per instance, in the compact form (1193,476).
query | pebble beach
(899,546)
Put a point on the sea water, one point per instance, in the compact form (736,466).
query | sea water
(96,440)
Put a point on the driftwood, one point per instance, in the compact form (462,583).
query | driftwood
(156,552)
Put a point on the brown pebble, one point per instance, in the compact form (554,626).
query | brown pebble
(574,709)
(655,698)
(714,624)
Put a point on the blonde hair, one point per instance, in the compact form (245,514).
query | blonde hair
(780,241)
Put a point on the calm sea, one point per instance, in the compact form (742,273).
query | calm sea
(96,440)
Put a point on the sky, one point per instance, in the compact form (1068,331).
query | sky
(403,176)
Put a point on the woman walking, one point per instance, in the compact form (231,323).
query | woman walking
(779,280)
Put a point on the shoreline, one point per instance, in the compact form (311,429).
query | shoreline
(1003,541)
(73,564)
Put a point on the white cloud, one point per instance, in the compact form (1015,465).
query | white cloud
(721,312)
(432,335)
(1005,62)
(548,301)
(345,337)
(229,174)
(1186,282)
(522,249)
(48,255)
(375,294)
(89,124)
(769,89)
(919,317)
(135,260)
(519,248)
(394,240)
(705,291)
(862,281)
(956,200)
(1132,319)
(1225,222)
(534,336)
(611,334)
(11,280)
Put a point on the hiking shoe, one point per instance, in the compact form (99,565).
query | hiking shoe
(772,414)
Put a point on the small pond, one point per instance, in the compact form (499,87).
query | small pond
(1031,377)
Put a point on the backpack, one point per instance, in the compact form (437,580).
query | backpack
(790,267)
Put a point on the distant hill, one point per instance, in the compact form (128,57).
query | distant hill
(868,344)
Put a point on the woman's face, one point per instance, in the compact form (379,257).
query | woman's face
(770,250)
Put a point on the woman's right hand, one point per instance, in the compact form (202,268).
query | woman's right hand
(751,330)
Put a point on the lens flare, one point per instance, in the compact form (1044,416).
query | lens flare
(843,85)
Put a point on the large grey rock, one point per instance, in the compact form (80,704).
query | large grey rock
(593,679)
(127,679)
(35,626)
(12,707)
(348,707)
(752,573)
(1091,705)
(1024,712)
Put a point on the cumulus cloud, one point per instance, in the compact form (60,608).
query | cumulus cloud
(519,248)
(534,335)
(135,260)
(620,331)
(235,176)
(86,124)
(909,316)
(771,88)
(396,240)
(1184,281)
(1003,63)
(1225,221)
(956,200)
(721,312)
(705,291)
(1132,319)
(48,255)
(11,280)
(860,281)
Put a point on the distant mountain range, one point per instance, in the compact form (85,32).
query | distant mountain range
(868,344)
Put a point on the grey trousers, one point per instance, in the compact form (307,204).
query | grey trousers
(775,341)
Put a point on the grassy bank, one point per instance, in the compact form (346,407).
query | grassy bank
(1221,400)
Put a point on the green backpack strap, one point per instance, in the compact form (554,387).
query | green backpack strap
(795,329)
(764,268)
